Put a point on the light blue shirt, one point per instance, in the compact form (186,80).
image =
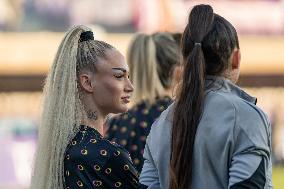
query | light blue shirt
(232,143)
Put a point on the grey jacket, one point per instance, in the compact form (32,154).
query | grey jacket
(232,146)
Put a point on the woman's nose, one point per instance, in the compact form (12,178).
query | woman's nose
(129,87)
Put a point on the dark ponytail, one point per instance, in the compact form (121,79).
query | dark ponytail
(207,45)
(190,97)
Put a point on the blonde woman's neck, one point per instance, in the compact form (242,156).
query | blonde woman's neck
(95,121)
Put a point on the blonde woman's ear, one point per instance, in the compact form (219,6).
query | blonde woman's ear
(86,83)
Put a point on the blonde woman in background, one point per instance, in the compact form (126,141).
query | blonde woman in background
(87,81)
(152,60)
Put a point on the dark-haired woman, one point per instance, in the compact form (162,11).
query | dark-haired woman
(213,136)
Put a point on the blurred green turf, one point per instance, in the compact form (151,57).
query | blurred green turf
(278,177)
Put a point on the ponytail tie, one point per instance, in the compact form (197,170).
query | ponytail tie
(196,44)
(85,36)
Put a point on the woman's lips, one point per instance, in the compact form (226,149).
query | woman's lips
(126,99)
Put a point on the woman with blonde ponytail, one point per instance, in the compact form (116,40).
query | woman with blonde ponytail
(153,62)
(87,81)
(213,136)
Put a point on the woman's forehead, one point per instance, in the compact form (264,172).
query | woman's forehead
(114,59)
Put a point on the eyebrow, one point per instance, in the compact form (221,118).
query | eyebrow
(121,69)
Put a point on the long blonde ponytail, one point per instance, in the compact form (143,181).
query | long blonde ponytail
(62,112)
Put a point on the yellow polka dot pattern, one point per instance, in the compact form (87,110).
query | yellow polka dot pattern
(123,142)
(143,138)
(143,124)
(84,152)
(161,108)
(135,180)
(125,116)
(132,134)
(118,184)
(80,167)
(145,111)
(98,160)
(108,170)
(97,183)
(97,167)
(136,161)
(134,147)
(114,127)
(126,167)
(80,184)
(103,152)
(123,129)
(117,153)
(133,121)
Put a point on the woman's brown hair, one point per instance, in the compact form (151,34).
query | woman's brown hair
(207,44)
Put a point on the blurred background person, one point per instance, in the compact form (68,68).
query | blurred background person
(177,37)
(153,62)
(11,13)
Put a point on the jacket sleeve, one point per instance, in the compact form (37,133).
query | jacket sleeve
(149,175)
(250,165)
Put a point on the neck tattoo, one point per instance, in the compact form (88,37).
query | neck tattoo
(92,115)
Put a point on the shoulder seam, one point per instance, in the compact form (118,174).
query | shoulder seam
(235,114)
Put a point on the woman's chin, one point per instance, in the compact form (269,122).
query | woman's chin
(121,109)
(125,109)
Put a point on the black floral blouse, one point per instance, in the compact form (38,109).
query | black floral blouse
(93,162)
(131,129)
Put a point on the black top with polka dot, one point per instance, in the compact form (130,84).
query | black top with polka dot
(132,128)
(93,162)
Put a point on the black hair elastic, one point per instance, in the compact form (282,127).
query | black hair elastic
(85,36)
